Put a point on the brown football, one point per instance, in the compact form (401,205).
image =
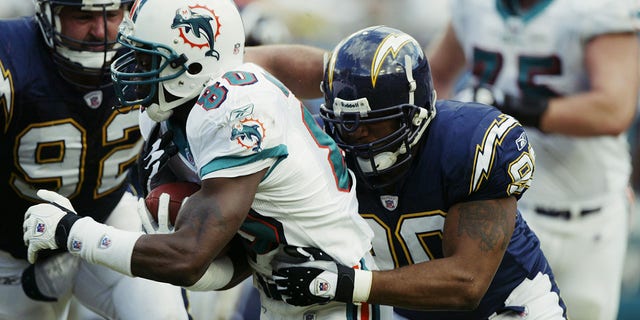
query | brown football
(177,192)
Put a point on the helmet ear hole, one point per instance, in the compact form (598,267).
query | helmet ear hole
(194,68)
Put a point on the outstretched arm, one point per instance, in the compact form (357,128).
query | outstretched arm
(299,67)
(476,236)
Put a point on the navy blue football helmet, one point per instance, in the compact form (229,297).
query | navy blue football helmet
(378,74)
(77,63)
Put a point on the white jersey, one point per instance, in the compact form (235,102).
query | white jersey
(532,54)
(246,121)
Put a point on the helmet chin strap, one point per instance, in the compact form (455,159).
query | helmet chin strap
(382,160)
(161,111)
(157,114)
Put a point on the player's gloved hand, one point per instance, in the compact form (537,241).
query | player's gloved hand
(51,276)
(149,224)
(306,276)
(481,94)
(47,225)
(156,152)
(528,110)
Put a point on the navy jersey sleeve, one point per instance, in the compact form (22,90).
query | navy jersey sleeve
(501,161)
(487,154)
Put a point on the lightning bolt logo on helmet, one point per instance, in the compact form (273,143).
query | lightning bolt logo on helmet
(390,45)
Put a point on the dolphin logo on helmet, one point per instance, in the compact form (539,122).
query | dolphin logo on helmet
(199,25)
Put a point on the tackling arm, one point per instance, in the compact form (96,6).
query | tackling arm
(476,235)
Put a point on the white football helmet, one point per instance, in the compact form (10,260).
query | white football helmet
(75,64)
(176,47)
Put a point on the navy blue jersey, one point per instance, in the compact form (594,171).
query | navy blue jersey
(470,152)
(56,137)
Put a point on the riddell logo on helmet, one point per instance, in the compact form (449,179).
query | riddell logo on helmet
(199,26)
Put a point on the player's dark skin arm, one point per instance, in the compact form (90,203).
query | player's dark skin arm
(476,235)
(299,67)
(206,223)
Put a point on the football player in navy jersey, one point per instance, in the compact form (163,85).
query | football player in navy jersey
(438,182)
(60,132)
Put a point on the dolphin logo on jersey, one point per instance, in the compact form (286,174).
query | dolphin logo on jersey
(192,24)
(249,133)
(486,152)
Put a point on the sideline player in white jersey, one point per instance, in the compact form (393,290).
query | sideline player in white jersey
(250,142)
(568,70)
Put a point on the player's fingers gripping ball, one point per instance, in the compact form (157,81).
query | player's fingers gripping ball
(159,209)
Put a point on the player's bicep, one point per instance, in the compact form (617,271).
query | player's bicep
(221,204)
(480,231)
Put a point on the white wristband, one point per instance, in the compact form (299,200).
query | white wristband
(102,244)
(217,276)
(362,285)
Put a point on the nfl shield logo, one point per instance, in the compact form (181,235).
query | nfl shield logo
(105,242)
(389,202)
(76,245)
(40,228)
(93,99)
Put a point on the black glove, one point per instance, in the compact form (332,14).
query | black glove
(156,152)
(527,109)
(306,276)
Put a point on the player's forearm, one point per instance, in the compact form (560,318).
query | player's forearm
(159,257)
(433,285)
(169,258)
(589,114)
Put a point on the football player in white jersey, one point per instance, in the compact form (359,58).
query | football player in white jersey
(249,142)
(568,70)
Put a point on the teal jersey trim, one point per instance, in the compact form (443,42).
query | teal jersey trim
(279,152)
